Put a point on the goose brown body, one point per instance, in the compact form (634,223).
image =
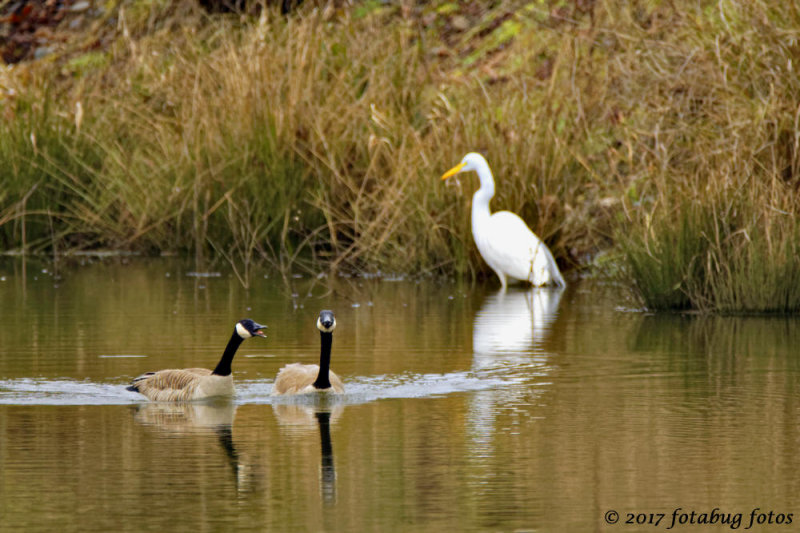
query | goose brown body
(297,378)
(177,384)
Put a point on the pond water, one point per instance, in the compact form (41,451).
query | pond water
(465,409)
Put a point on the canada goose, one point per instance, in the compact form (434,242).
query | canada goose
(504,241)
(197,383)
(297,378)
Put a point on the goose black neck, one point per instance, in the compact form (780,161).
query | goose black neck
(323,381)
(224,365)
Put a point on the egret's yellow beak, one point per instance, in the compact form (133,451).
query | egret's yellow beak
(453,171)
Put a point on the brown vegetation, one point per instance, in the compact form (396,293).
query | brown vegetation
(666,131)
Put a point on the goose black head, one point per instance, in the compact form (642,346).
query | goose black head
(247,328)
(326,322)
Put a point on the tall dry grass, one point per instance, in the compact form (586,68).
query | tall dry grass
(666,131)
(280,138)
(712,219)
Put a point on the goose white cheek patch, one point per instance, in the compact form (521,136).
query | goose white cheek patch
(243,333)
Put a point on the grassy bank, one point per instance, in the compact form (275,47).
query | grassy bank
(714,224)
(662,132)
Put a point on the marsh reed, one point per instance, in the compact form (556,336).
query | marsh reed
(663,133)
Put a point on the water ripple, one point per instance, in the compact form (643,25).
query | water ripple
(34,391)
(369,389)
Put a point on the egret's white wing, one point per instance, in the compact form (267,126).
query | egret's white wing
(508,245)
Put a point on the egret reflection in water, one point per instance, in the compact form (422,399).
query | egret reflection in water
(510,326)
(507,337)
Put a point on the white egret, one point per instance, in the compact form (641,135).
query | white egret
(504,241)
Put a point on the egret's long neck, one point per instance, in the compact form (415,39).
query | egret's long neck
(481,198)
(323,382)
(224,366)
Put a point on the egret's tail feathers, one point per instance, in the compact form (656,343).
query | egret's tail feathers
(549,273)
(558,279)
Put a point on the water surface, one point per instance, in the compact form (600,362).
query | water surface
(466,409)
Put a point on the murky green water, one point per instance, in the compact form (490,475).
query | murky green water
(465,410)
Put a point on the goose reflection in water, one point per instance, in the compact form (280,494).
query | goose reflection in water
(201,419)
(507,337)
(301,418)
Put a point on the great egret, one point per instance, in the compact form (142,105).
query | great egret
(197,383)
(504,241)
(297,378)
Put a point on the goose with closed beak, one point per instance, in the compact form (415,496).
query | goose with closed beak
(297,378)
